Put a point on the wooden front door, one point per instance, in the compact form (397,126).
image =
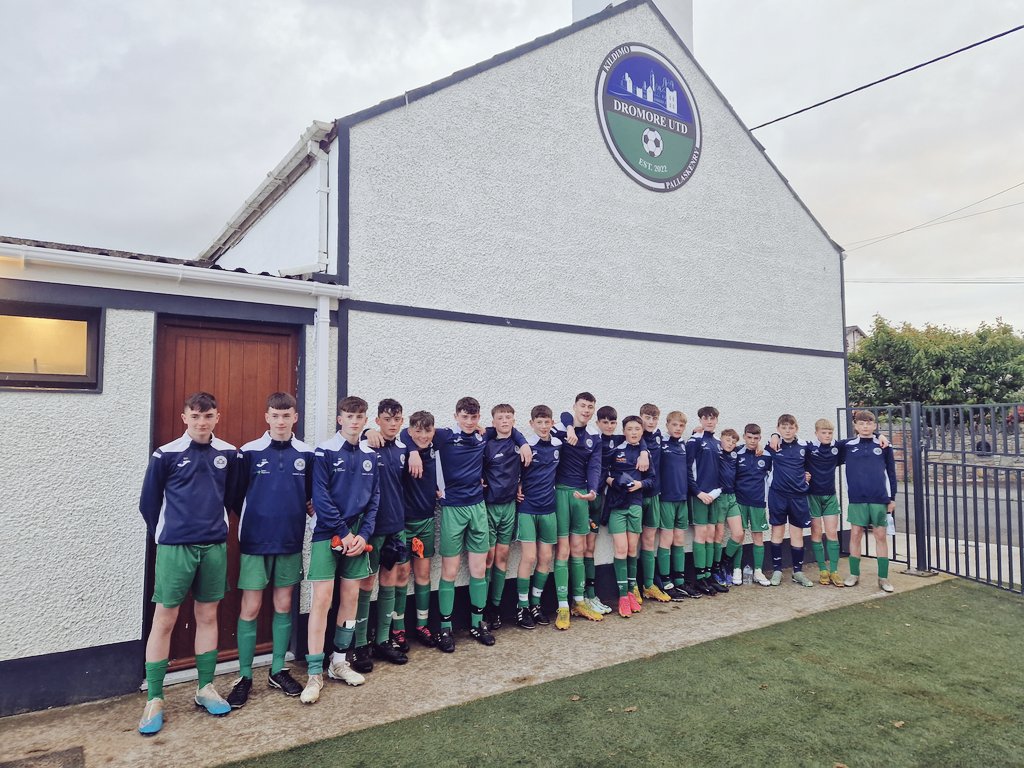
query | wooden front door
(240,364)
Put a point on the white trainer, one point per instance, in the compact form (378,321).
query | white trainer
(597,605)
(760,578)
(340,669)
(851,581)
(737,576)
(885,586)
(311,693)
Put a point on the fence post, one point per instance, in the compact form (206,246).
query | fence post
(920,489)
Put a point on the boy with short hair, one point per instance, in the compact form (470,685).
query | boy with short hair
(464,525)
(752,471)
(727,514)
(675,506)
(607,425)
(275,488)
(538,525)
(346,497)
(787,500)
(871,482)
(421,498)
(824,455)
(501,481)
(626,484)
(656,538)
(702,456)
(578,482)
(189,486)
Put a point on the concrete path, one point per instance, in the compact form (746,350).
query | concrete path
(104,733)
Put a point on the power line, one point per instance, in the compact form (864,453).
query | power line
(879,238)
(890,77)
(934,224)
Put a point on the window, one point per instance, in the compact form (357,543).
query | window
(45,346)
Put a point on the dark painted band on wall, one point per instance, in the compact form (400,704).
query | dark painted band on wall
(70,677)
(582,330)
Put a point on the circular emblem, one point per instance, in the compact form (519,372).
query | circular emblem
(732,454)
(590,443)
(801,451)
(658,439)
(300,464)
(835,450)
(556,454)
(432,453)
(648,117)
(220,462)
(367,465)
(515,448)
(877,451)
(401,459)
(760,463)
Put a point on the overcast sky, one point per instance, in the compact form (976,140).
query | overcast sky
(144,125)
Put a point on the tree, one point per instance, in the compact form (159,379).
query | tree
(938,365)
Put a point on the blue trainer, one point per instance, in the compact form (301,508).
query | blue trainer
(152,717)
(208,698)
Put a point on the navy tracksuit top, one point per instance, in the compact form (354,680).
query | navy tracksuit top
(461,466)
(276,482)
(752,477)
(788,468)
(580,464)
(727,471)
(501,468)
(870,471)
(391,513)
(621,470)
(702,451)
(654,443)
(187,491)
(420,492)
(539,478)
(675,477)
(346,485)
(822,461)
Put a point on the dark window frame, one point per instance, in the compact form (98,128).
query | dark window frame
(92,381)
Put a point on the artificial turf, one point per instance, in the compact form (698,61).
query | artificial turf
(931,677)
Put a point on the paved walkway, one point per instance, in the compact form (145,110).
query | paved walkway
(103,733)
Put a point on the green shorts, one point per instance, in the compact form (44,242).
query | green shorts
(501,523)
(257,571)
(378,541)
(700,512)
(651,512)
(625,520)
(723,508)
(823,506)
(867,514)
(754,518)
(199,568)
(464,529)
(571,514)
(675,515)
(325,564)
(539,528)
(424,531)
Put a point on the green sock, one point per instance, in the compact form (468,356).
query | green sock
(540,578)
(343,636)
(855,566)
(487,574)
(155,673)
(477,599)
(362,617)
(883,567)
(737,558)
(401,601)
(664,564)
(678,555)
(523,591)
(718,553)
(497,585)
(314,663)
(206,664)
(647,557)
(819,554)
(446,602)
(832,547)
(621,579)
(699,558)
(246,646)
(590,572)
(562,583)
(421,594)
(709,555)
(281,630)
(385,607)
(758,557)
(631,570)
(577,578)
(731,548)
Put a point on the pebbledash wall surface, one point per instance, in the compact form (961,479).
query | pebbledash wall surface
(496,246)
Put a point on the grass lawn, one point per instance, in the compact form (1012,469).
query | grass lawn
(932,677)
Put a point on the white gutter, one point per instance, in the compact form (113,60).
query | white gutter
(28,256)
(322,409)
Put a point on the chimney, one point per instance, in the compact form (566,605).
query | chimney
(678,13)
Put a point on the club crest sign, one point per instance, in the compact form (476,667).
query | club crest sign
(648,117)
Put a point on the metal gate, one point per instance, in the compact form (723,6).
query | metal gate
(960,507)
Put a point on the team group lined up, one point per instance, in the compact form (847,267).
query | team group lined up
(376,494)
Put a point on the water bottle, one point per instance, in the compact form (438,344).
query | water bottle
(748,575)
